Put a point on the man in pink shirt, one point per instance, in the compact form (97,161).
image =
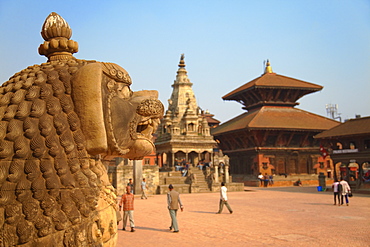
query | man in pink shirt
(127,201)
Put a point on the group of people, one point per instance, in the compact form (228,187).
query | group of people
(342,191)
(265,180)
(173,204)
(202,165)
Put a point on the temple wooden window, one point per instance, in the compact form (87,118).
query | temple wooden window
(321,165)
(366,144)
(339,145)
(264,165)
(352,145)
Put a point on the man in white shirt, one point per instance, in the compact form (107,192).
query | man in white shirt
(223,199)
(336,191)
(144,187)
(260,178)
(345,191)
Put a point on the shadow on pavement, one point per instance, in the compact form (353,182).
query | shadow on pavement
(324,204)
(203,212)
(151,229)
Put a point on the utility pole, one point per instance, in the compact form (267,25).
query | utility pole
(332,111)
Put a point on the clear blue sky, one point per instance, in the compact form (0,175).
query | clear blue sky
(326,42)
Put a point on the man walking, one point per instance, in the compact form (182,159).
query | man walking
(345,191)
(223,199)
(173,202)
(144,187)
(337,190)
(127,201)
(131,184)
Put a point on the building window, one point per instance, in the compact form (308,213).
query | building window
(352,145)
(321,165)
(264,165)
(191,127)
(147,161)
(339,145)
(367,144)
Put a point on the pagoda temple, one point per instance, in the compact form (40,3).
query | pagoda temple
(272,137)
(183,135)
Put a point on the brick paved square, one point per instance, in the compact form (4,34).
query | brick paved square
(282,216)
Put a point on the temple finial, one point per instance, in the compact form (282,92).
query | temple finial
(57,33)
(182,61)
(268,69)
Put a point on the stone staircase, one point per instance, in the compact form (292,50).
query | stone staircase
(200,184)
(283,181)
(194,182)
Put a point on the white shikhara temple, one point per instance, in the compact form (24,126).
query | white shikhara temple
(183,135)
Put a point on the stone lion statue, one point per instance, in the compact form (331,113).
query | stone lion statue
(58,121)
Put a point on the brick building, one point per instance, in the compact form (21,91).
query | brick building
(349,147)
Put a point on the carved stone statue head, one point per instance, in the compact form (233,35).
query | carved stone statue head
(57,119)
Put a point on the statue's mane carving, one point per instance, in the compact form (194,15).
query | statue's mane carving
(49,158)
(54,189)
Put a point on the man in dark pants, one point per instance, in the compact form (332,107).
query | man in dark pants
(173,202)
(223,199)
(131,184)
(337,189)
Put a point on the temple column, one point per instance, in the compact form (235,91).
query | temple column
(138,174)
(227,174)
(216,173)
(173,159)
(157,159)
(212,159)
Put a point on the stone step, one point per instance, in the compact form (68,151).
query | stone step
(181,188)
(175,180)
(183,184)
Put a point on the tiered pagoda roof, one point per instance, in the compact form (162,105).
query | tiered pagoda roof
(277,118)
(271,89)
(270,100)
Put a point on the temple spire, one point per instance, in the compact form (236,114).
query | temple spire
(182,61)
(268,69)
(57,33)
